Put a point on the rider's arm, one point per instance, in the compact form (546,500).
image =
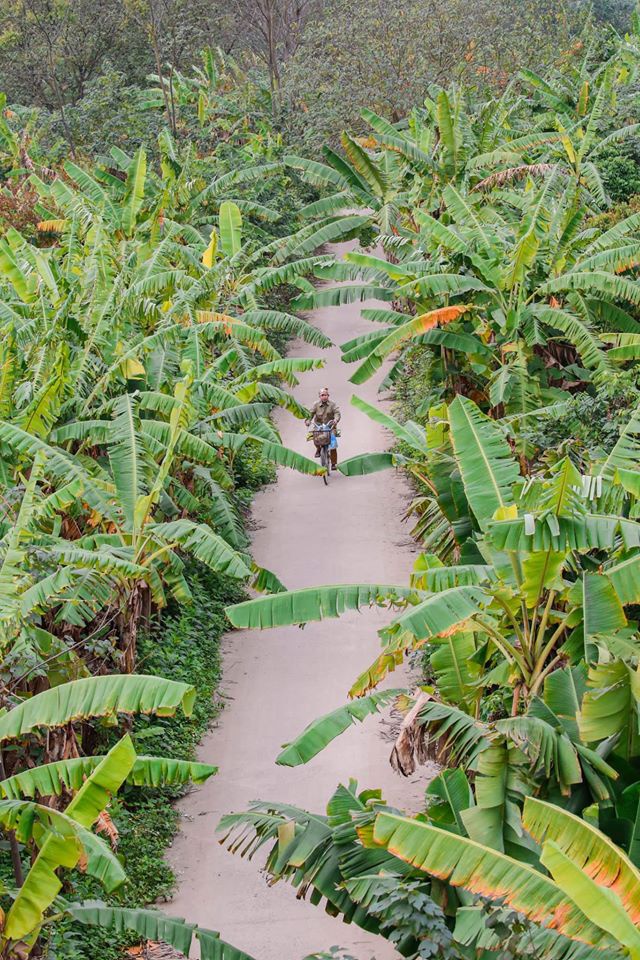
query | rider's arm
(312,413)
(336,412)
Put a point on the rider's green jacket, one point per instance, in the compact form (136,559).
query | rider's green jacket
(324,412)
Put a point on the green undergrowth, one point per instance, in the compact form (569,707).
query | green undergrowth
(184,645)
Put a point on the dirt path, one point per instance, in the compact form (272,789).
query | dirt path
(278,681)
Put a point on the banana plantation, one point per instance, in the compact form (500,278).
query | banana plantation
(157,316)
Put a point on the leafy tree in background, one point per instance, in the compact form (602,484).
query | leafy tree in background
(306,49)
(386,53)
(173,30)
(49,52)
(273,30)
(616,12)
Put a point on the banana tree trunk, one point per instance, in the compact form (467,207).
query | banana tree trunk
(129,623)
(16,862)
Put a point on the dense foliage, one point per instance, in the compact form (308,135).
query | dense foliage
(141,308)
(509,299)
(159,233)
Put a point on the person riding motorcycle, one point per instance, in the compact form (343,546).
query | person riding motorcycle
(326,411)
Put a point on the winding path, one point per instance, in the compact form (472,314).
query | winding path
(278,681)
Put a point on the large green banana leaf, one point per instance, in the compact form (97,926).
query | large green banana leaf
(52,779)
(457,672)
(312,603)
(316,173)
(429,573)
(484,457)
(230,224)
(588,532)
(440,613)
(410,433)
(363,164)
(601,609)
(65,843)
(289,324)
(626,346)
(338,296)
(365,463)
(283,368)
(322,731)
(625,578)
(334,231)
(200,540)
(276,452)
(154,926)
(41,884)
(97,697)
(611,706)
(134,197)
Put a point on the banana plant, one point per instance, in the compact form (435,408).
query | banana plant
(133,196)
(399,167)
(335,855)
(508,297)
(538,597)
(137,368)
(138,550)
(62,838)
(575,104)
(368,195)
(588,890)
(320,852)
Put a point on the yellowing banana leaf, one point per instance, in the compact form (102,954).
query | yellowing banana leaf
(481,870)
(588,848)
(415,327)
(597,902)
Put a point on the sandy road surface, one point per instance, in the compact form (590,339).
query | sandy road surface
(277,681)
